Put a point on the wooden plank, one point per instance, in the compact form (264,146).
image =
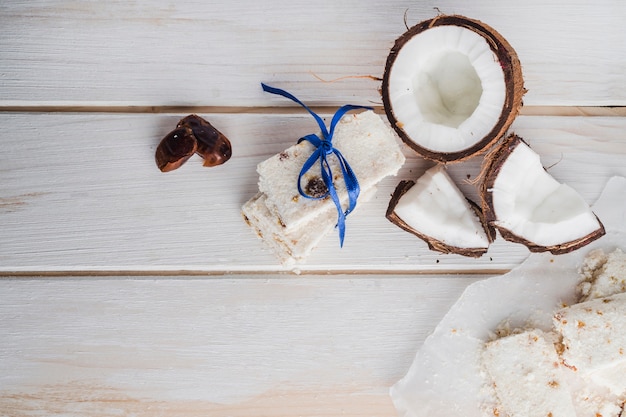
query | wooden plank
(245,346)
(198,53)
(81,193)
(123,319)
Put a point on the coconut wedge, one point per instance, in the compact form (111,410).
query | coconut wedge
(452,86)
(527,205)
(435,210)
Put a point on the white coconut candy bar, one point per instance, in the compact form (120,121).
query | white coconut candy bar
(295,246)
(368,144)
(595,340)
(525,372)
(289,248)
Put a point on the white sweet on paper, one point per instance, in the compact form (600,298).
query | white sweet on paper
(584,363)
(594,337)
(605,274)
(531,383)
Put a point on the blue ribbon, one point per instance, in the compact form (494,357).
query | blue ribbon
(324,148)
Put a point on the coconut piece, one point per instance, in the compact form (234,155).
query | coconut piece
(291,247)
(436,211)
(452,86)
(527,205)
(593,263)
(369,145)
(604,274)
(524,369)
(293,225)
(594,340)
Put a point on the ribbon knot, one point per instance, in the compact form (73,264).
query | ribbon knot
(323,150)
(327,146)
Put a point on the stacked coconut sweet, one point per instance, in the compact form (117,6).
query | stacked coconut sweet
(452,88)
(290,223)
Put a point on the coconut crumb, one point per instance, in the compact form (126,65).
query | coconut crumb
(602,275)
(593,261)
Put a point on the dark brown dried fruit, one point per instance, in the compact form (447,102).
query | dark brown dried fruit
(175,149)
(213,146)
(316,188)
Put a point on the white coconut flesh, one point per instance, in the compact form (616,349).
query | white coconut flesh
(436,208)
(447,88)
(531,204)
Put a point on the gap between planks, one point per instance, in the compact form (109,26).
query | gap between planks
(587,111)
(252,274)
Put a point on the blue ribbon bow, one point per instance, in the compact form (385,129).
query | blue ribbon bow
(324,148)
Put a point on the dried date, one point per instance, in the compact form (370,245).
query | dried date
(193,134)
(213,146)
(175,149)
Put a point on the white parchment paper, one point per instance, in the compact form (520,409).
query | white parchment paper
(444,378)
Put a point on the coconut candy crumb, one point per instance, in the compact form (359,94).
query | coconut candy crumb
(602,274)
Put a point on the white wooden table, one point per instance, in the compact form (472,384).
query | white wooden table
(128,292)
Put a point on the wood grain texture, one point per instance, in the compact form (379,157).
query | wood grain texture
(81,192)
(228,347)
(216,53)
(128,292)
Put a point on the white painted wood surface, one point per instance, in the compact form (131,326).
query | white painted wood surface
(216,52)
(228,346)
(73,201)
(125,291)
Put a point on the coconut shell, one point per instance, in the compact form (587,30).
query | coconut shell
(514,84)
(493,163)
(555,249)
(491,168)
(435,244)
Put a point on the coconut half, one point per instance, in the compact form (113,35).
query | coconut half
(435,210)
(527,205)
(452,86)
